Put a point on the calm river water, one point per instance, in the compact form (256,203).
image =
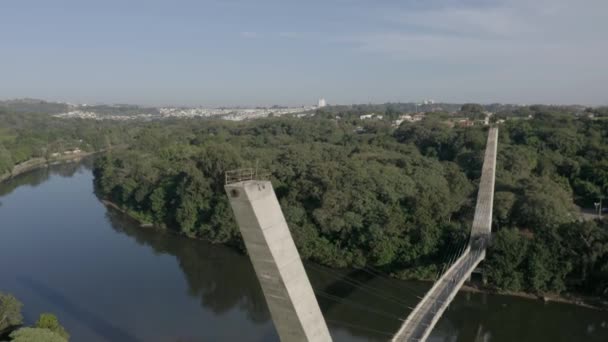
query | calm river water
(63,251)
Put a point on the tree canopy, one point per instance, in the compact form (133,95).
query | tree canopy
(36,335)
(50,322)
(389,198)
(363,193)
(46,329)
(10,312)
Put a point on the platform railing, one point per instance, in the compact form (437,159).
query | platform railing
(246,174)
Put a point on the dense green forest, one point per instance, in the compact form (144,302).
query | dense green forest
(47,328)
(363,193)
(395,199)
(33,106)
(28,135)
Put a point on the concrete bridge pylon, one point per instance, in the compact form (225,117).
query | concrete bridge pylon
(278,267)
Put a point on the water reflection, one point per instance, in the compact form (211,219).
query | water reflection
(95,322)
(222,278)
(358,306)
(487,317)
(110,280)
(38,176)
(219,277)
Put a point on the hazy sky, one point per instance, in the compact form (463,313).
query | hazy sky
(233,52)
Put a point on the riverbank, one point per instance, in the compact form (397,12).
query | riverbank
(569,298)
(116,207)
(38,163)
(474,287)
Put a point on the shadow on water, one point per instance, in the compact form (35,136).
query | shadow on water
(96,323)
(366,306)
(222,280)
(220,277)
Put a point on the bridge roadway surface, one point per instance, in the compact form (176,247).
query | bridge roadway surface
(425,315)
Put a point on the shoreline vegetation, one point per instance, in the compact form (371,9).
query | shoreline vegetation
(39,163)
(398,196)
(588,302)
(142,224)
(47,327)
(361,193)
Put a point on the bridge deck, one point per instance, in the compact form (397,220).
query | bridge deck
(423,318)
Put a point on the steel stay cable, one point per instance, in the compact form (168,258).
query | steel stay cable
(448,262)
(436,304)
(454,248)
(338,322)
(451,260)
(459,251)
(450,250)
(362,286)
(355,304)
(446,265)
(443,263)
(458,254)
(468,264)
(472,257)
(401,286)
(354,282)
(470,260)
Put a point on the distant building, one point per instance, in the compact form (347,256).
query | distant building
(408,118)
(359,130)
(486,120)
(464,123)
(371,116)
(322,103)
(418,117)
(402,118)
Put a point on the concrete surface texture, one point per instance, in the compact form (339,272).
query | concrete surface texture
(287,290)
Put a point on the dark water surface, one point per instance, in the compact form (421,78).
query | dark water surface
(63,251)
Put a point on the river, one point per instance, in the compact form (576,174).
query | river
(63,251)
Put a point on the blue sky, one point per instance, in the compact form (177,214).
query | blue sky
(236,52)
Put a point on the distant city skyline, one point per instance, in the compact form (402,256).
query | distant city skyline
(244,53)
(312,104)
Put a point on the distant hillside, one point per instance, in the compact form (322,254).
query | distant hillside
(43,107)
(34,106)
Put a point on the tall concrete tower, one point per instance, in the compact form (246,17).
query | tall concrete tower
(287,290)
(322,103)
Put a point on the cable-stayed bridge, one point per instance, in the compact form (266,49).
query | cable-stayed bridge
(287,289)
(425,315)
